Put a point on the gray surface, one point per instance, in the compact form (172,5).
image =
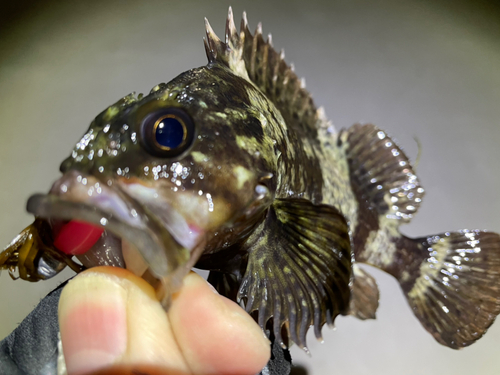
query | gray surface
(426,69)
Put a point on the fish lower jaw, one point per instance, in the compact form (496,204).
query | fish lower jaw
(108,250)
(166,259)
(159,245)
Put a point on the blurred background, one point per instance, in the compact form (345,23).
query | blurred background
(424,69)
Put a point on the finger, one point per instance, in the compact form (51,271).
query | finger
(109,316)
(143,369)
(216,336)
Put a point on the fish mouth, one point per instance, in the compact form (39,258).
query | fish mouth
(133,237)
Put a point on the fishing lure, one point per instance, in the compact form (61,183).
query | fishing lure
(232,168)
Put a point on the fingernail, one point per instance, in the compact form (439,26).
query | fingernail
(93,322)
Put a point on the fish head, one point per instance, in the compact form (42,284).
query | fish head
(170,171)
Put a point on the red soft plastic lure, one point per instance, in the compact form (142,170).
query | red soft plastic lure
(77,237)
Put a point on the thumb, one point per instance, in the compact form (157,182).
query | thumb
(110,320)
(108,316)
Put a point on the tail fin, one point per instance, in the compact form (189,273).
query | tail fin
(452,282)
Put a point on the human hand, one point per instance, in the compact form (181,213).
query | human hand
(111,323)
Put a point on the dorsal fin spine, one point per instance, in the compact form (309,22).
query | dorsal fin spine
(264,63)
(286,79)
(207,49)
(244,21)
(274,79)
(255,59)
(296,89)
(258,30)
(213,42)
(231,31)
(303,106)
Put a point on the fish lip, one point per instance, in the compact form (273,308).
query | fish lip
(119,213)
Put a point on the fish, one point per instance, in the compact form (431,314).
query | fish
(232,168)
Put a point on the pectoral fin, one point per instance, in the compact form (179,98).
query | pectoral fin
(299,269)
(226,284)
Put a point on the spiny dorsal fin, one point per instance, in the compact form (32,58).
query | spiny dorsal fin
(230,52)
(256,60)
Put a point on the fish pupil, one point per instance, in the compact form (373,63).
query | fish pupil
(170,133)
(167,132)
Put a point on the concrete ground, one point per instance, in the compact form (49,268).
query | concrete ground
(425,69)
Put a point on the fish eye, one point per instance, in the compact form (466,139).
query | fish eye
(167,132)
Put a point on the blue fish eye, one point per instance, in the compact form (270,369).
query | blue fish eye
(170,132)
(167,132)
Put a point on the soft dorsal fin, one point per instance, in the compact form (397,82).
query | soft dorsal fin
(256,60)
(381,173)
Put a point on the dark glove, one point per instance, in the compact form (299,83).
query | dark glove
(31,349)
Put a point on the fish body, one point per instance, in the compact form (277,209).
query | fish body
(232,168)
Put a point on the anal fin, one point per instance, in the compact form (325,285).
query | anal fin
(452,283)
(299,269)
(364,295)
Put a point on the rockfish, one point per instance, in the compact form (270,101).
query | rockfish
(231,168)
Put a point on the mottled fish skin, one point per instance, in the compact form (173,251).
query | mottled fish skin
(211,95)
(244,139)
(451,280)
